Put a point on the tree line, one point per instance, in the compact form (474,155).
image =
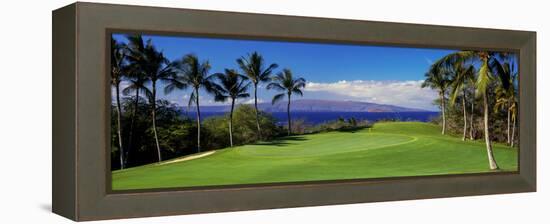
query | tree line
(484,83)
(139,63)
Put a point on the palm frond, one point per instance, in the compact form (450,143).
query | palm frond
(147,93)
(436,78)
(174,84)
(253,67)
(460,57)
(298,91)
(192,99)
(243,95)
(266,74)
(231,84)
(459,81)
(276,86)
(284,81)
(483,78)
(220,98)
(277,98)
(502,71)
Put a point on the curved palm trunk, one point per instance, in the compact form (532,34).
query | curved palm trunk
(443,111)
(256,107)
(508,125)
(472,137)
(492,163)
(118,111)
(134,112)
(198,120)
(231,122)
(465,115)
(154,113)
(288,115)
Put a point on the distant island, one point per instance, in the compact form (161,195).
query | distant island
(314,105)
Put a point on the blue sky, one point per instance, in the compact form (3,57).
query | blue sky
(387,75)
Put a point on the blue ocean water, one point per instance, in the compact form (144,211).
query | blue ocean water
(321,117)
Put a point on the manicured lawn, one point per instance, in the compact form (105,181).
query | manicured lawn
(386,150)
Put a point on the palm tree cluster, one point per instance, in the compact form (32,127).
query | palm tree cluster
(489,77)
(140,64)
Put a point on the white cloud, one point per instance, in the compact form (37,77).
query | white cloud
(250,100)
(177,99)
(399,93)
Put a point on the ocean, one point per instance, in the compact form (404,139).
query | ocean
(321,117)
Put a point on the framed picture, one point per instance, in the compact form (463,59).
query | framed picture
(202,111)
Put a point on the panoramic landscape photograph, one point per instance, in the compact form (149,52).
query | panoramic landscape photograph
(198,111)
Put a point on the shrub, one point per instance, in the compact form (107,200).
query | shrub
(244,128)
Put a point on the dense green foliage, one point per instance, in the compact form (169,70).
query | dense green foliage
(455,120)
(461,89)
(244,128)
(387,150)
(178,131)
(174,132)
(300,126)
(490,73)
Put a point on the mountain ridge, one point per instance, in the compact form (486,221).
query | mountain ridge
(316,105)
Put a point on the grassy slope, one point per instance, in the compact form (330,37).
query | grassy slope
(386,150)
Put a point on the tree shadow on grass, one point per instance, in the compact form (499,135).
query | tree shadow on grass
(352,129)
(283,141)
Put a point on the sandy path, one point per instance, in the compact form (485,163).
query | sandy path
(188,158)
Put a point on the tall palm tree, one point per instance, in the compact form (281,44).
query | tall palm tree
(458,88)
(514,110)
(117,66)
(195,74)
(505,92)
(232,85)
(136,77)
(437,78)
(285,82)
(155,66)
(253,67)
(472,84)
(137,84)
(484,80)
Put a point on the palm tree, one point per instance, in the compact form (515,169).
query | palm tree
(155,66)
(137,84)
(514,110)
(458,87)
(232,85)
(472,83)
(136,77)
(117,66)
(437,78)
(253,67)
(505,92)
(194,73)
(285,82)
(175,83)
(484,80)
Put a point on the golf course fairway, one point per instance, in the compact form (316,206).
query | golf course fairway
(388,149)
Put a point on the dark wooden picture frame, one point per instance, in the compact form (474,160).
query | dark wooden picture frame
(81,112)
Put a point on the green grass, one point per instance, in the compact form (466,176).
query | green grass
(390,149)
